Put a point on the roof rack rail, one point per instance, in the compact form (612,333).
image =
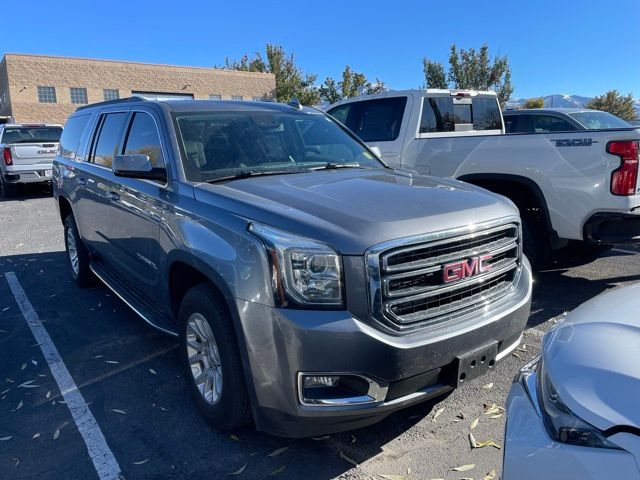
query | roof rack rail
(134,98)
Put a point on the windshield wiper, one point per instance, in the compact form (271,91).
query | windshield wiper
(254,173)
(334,166)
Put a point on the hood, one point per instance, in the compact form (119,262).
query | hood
(593,359)
(353,209)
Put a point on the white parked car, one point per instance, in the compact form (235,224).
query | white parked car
(27,151)
(574,413)
(574,187)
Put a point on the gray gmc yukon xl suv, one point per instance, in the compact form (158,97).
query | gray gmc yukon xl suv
(313,289)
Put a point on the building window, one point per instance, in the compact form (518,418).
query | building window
(236,97)
(257,99)
(47,94)
(78,95)
(111,94)
(215,97)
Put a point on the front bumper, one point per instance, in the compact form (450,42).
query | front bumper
(531,454)
(613,228)
(281,343)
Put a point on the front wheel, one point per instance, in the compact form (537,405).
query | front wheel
(211,359)
(7,190)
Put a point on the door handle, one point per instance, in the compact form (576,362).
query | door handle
(82,181)
(113,196)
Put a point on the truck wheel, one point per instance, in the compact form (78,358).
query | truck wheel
(7,190)
(77,254)
(211,359)
(534,243)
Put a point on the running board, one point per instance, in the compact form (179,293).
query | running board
(148,312)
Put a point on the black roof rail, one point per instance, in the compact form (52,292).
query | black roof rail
(134,98)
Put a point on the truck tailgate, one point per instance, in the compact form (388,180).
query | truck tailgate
(33,153)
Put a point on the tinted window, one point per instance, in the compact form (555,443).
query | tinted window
(341,113)
(71,135)
(511,123)
(441,114)
(143,138)
(108,143)
(486,114)
(219,144)
(518,123)
(380,120)
(599,120)
(31,134)
(551,123)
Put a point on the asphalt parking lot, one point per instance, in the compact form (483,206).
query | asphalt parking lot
(128,375)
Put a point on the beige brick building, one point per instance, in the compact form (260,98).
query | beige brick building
(38,88)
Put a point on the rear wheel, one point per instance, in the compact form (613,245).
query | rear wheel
(7,190)
(77,254)
(211,359)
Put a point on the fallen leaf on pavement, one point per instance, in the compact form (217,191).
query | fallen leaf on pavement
(37,435)
(111,361)
(24,365)
(277,452)
(490,476)
(20,405)
(488,386)
(234,437)
(317,439)
(464,468)
(56,434)
(239,471)
(474,424)
(119,411)
(278,470)
(437,414)
(349,459)
(496,416)
(472,440)
(48,395)
(4,439)
(141,462)
(152,371)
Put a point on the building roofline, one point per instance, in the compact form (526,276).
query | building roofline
(102,60)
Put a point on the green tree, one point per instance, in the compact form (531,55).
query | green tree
(351,85)
(471,69)
(534,103)
(434,74)
(291,81)
(615,103)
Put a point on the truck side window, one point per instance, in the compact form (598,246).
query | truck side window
(380,120)
(143,138)
(511,123)
(70,139)
(341,113)
(441,114)
(551,123)
(108,143)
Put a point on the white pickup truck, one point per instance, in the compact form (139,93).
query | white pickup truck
(575,188)
(27,154)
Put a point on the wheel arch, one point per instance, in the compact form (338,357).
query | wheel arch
(520,190)
(64,207)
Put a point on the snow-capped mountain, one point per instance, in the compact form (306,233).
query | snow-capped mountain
(560,100)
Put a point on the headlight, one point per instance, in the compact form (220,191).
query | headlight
(561,423)
(303,271)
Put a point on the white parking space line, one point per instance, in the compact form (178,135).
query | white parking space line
(103,460)
(624,250)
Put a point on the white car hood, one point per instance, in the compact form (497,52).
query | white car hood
(593,359)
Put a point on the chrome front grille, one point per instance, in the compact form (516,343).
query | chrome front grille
(434,278)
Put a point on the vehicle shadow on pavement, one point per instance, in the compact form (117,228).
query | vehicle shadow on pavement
(559,290)
(29,192)
(120,364)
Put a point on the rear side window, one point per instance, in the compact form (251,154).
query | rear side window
(143,138)
(551,123)
(380,120)
(108,143)
(341,113)
(443,114)
(70,139)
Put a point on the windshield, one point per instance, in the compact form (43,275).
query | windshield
(598,120)
(31,135)
(222,144)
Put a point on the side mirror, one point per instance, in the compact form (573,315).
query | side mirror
(377,151)
(137,166)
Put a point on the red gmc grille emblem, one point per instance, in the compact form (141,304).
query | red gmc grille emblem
(470,267)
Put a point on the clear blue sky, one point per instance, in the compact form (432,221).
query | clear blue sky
(574,47)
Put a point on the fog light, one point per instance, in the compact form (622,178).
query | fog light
(320,381)
(339,390)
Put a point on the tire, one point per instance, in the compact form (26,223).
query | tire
(77,254)
(222,398)
(534,242)
(7,190)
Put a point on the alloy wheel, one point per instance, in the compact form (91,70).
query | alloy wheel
(73,251)
(204,358)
